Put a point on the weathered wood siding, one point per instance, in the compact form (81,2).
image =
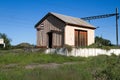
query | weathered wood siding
(54,25)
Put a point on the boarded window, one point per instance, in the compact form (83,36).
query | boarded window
(80,38)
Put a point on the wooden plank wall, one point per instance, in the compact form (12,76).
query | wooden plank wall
(51,23)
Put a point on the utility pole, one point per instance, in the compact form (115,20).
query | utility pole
(106,16)
(117,16)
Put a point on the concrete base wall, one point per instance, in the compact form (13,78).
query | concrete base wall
(83,52)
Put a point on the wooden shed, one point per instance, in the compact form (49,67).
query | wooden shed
(56,30)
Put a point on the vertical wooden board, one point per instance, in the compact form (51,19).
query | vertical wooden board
(76,38)
(85,38)
(60,39)
(84,33)
(80,38)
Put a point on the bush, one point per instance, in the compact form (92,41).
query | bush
(110,70)
(102,42)
(24,45)
(68,47)
(6,40)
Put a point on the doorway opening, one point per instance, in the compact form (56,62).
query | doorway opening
(50,39)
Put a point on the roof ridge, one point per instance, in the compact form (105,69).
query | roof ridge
(64,15)
(73,20)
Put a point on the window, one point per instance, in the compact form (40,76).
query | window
(41,25)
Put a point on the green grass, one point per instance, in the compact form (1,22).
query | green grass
(102,67)
(29,58)
(65,72)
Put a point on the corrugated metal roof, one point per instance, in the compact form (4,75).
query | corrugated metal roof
(72,20)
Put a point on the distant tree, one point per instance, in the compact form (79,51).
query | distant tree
(24,45)
(6,40)
(102,42)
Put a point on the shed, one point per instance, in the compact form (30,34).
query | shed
(56,30)
(2,42)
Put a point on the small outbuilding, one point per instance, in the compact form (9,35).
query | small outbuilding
(2,44)
(56,30)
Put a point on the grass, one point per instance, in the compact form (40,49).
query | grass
(102,67)
(24,58)
(66,72)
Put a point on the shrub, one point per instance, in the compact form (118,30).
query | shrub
(6,40)
(68,47)
(101,41)
(24,45)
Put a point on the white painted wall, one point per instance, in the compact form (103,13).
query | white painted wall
(86,52)
(1,41)
(70,35)
(83,52)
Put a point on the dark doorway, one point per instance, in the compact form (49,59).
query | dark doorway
(80,38)
(50,39)
(1,45)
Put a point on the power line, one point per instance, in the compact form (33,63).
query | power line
(106,16)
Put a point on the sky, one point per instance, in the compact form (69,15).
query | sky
(18,17)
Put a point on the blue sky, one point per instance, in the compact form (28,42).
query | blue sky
(18,17)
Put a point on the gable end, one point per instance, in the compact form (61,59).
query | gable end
(45,17)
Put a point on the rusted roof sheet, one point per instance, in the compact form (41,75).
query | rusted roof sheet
(72,20)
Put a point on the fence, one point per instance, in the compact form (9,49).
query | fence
(83,52)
